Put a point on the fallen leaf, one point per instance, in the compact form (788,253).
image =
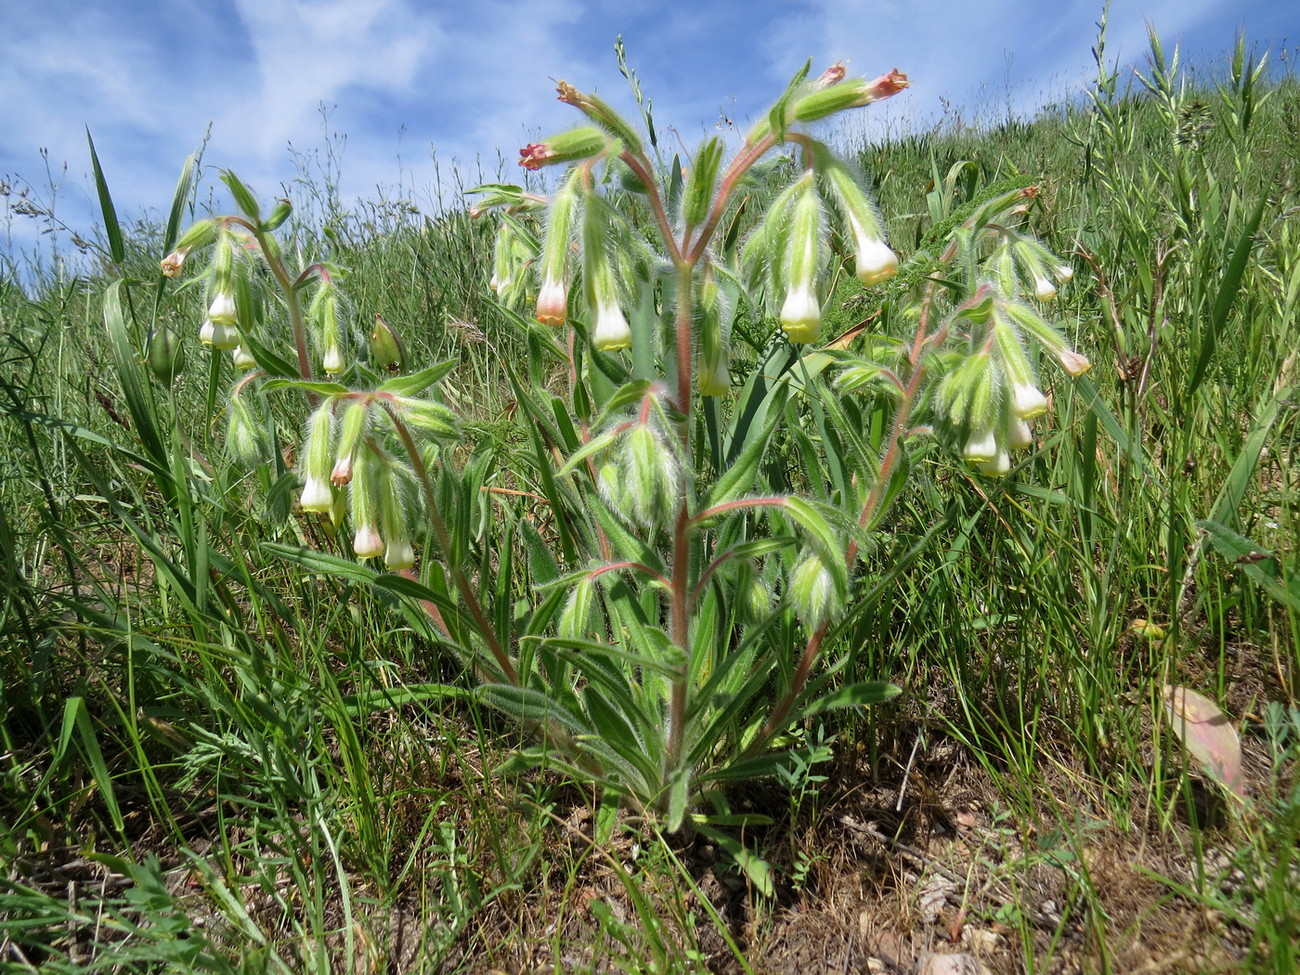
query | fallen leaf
(1207,734)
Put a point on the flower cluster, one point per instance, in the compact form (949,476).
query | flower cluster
(991,394)
(345,462)
(787,252)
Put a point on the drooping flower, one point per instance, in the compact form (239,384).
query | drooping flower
(317,495)
(553,302)
(612,331)
(1027,401)
(982,445)
(801,315)
(367,543)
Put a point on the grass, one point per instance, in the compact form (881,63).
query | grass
(214,761)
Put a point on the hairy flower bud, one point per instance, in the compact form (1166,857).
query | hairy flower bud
(812,591)
(853,93)
(246,437)
(801,313)
(581,143)
(387,351)
(650,479)
(318,458)
(352,429)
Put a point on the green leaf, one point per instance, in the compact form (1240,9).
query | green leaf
(755,868)
(112,229)
(418,382)
(1225,298)
(857,695)
(739,477)
(321,388)
(244,197)
(179,197)
(1251,560)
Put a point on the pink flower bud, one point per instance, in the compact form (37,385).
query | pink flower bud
(173,262)
(1072,362)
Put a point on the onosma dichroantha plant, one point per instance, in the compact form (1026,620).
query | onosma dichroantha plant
(674,619)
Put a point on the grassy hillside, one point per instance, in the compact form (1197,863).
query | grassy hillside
(216,759)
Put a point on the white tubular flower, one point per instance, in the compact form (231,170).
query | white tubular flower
(399,554)
(1044,288)
(317,495)
(1019,436)
(1027,401)
(999,465)
(1064,273)
(801,315)
(875,262)
(982,446)
(219,335)
(612,331)
(367,543)
(332,362)
(243,358)
(223,310)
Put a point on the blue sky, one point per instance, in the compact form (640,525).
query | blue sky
(406,80)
